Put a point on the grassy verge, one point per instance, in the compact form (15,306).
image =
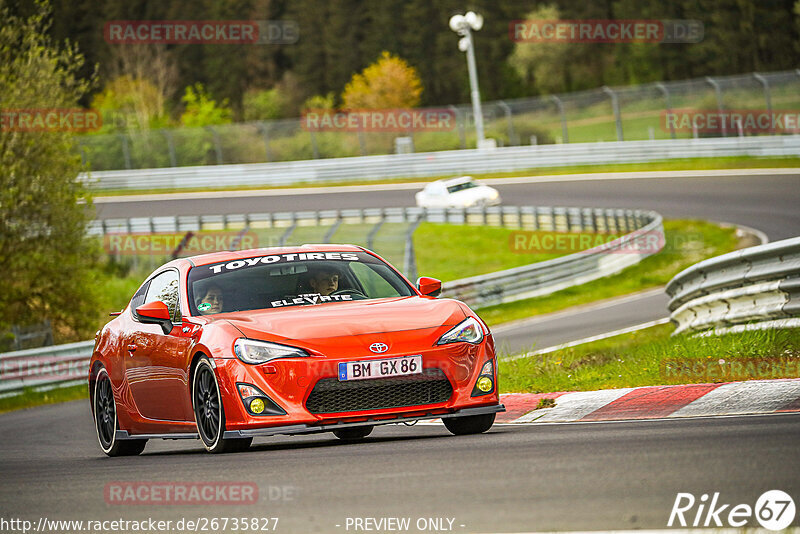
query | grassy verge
(652,357)
(685,164)
(687,242)
(30,398)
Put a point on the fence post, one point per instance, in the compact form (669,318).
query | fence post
(314,146)
(460,124)
(767,96)
(512,136)
(217,145)
(333,228)
(374,231)
(668,106)
(263,127)
(409,259)
(173,158)
(615,105)
(560,106)
(718,92)
(126,151)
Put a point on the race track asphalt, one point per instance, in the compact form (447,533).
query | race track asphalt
(515,478)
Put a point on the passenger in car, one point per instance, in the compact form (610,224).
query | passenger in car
(211,302)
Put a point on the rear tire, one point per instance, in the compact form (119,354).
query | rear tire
(106,422)
(354,433)
(209,413)
(471,424)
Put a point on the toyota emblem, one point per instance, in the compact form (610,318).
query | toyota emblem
(379,347)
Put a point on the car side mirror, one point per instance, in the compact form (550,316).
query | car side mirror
(155,312)
(430,287)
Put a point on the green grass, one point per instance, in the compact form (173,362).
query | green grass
(686,243)
(653,357)
(449,252)
(733,162)
(30,398)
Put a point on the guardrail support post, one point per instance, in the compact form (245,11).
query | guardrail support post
(560,106)
(718,91)
(615,105)
(668,106)
(767,96)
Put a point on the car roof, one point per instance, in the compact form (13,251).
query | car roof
(229,255)
(458,180)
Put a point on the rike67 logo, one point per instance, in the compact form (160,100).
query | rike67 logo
(774,510)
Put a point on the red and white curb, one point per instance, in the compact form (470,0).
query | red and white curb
(655,402)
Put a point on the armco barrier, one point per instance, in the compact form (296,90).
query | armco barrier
(45,367)
(756,287)
(443,163)
(66,364)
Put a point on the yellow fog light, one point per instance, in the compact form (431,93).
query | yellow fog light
(484,384)
(257,406)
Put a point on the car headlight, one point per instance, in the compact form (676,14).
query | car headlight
(255,352)
(468,330)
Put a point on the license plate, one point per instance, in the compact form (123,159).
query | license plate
(406,365)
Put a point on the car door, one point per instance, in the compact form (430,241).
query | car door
(155,362)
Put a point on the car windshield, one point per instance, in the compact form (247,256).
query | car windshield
(460,187)
(296,279)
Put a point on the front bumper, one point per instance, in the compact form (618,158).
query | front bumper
(312,429)
(292,381)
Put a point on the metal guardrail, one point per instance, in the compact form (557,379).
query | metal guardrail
(68,364)
(442,163)
(752,288)
(44,368)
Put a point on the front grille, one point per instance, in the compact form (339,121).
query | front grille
(331,396)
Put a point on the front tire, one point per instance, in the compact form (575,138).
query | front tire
(209,413)
(106,422)
(354,433)
(471,424)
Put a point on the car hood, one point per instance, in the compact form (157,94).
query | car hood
(318,327)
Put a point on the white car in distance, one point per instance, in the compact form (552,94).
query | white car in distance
(461,192)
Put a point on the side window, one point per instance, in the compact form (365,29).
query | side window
(164,287)
(375,285)
(138,298)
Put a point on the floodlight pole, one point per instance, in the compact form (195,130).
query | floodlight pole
(464,25)
(473,86)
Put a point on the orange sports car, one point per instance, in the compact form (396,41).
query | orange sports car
(318,338)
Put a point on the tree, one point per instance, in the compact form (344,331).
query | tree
(541,65)
(202,110)
(390,82)
(45,257)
